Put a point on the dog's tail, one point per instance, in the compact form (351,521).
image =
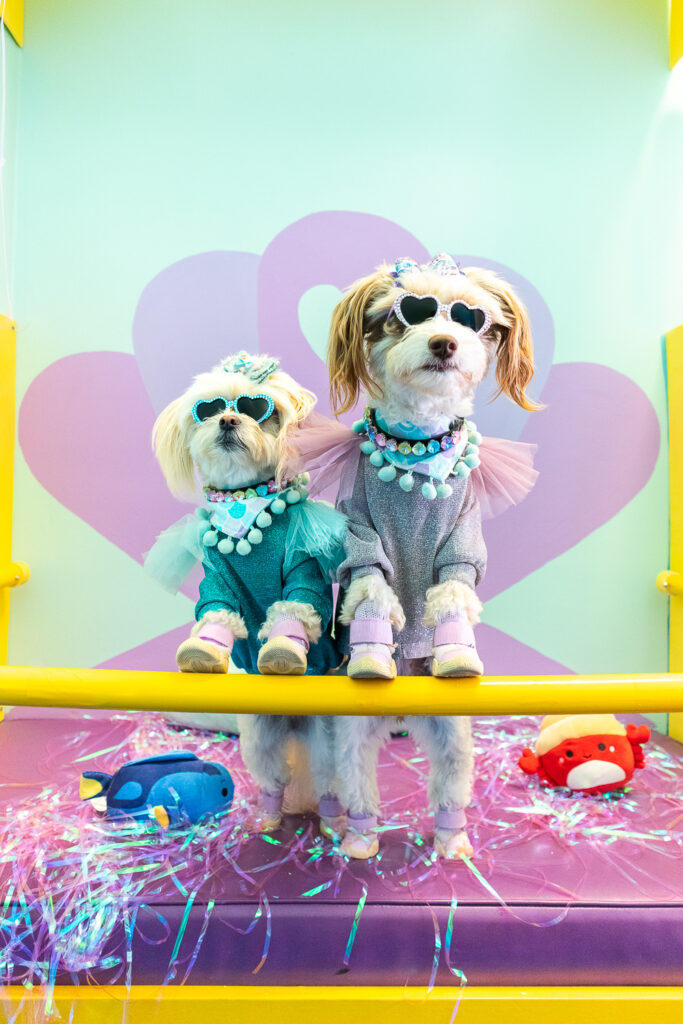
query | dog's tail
(300,795)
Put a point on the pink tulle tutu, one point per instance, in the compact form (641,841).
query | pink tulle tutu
(329,452)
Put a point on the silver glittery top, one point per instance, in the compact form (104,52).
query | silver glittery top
(414,543)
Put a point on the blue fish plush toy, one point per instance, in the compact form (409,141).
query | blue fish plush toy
(174,788)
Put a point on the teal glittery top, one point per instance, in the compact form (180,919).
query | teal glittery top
(283,567)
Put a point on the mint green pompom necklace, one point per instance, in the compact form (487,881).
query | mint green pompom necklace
(453,453)
(242,515)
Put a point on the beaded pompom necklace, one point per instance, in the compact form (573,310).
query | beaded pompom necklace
(461,441)
(243,514)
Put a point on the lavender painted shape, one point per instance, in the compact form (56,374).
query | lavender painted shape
(199,309)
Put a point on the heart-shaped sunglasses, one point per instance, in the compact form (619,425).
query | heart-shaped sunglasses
(258,407)
(414,309)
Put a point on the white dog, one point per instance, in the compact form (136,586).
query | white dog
(268,553)
(418,339)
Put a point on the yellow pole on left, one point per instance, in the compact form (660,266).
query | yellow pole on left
(11,573)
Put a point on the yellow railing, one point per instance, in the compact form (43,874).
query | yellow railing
(12,573)
(177,1004)
(337,695)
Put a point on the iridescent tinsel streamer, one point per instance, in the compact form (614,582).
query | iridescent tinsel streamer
(460,975)
(266,943)
(354,930)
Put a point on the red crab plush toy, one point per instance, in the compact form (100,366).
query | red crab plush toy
(586,753)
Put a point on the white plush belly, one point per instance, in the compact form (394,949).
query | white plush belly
(595,773)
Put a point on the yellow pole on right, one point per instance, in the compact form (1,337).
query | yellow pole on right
(675,32)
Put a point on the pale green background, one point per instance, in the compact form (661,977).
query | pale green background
(542,134)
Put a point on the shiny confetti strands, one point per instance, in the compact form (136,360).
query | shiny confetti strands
(352,934)
(318,889)
(73,883)
(266,943)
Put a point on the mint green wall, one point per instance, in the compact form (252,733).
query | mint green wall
(152,130)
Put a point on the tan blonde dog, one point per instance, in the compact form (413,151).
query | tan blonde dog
(266,549)
(418,340)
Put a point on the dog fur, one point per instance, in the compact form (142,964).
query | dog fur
(372,351)
(193,454)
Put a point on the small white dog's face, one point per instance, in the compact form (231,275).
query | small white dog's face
(229,429)
(421,349)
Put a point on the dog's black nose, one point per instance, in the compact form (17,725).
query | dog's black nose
(442,345)
(229,422)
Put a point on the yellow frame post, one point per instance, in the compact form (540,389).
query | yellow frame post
(14,19)
(11,573)
(675,32)
(671,582)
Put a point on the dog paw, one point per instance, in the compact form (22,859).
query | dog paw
(266,821)
(455,661)
(451,845)
(359,845)
(333,828)
(282,657)
(197,655)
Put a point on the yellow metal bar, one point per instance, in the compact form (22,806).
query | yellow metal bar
(327,695)
(14,575)
(338,1005)
(675,32)
(14,18)
(674,374)
(670,583)
(8,365)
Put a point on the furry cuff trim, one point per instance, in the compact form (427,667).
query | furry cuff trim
(376,589)
(232,620)
(303,613)
(448,597)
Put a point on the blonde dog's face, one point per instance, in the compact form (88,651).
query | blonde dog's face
(437,361)
(422,349)
(228,430)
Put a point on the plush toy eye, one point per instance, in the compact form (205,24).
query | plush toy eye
(569,753)
(601,746)
(224,792)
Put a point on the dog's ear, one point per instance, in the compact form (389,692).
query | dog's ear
(294,403)
(515,354)
(303,402)
(515,351)
(347,357)
(172,452)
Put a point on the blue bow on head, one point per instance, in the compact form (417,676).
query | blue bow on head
(254,368)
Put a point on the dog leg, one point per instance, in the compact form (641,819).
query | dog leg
(371,608)
(453,608)
(288,631)
(321,755)
(263,746)
(210,643)
(358,741)
(447,742)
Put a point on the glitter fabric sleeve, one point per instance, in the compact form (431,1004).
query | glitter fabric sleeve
(462,556)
